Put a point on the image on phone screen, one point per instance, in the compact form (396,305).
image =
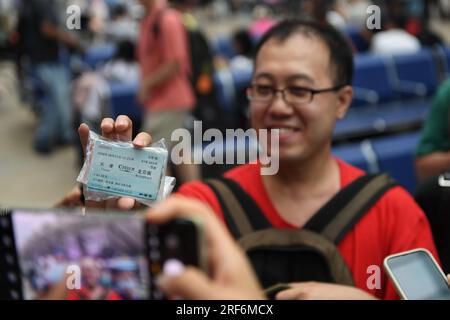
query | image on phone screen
(108,253)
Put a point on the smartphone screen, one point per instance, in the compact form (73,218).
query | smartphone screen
(99,256)
(418,276)
(103,255)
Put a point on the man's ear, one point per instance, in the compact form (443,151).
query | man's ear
(345,96)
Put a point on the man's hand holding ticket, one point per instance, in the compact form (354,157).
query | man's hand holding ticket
(117,171)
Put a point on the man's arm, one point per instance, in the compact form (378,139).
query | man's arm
(161,75)
(51,31)
(432,164)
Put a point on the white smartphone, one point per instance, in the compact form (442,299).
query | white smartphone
(417,276)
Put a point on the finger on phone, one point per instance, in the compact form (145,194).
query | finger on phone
(181,207)
(181,285)
(142,140)
(170,209)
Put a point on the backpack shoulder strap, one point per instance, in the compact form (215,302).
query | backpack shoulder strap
(348,206)
(156,27)
(241,213)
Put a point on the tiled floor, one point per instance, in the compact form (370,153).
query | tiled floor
(26,178)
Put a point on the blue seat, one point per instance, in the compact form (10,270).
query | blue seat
(403,114)
(358,124)
(394,104)
(352,154)
(396,156)
(392,154)
(123,100)
(388,118)
(354,34)
(417,69)
(95,56)
(372,81)
(223,46)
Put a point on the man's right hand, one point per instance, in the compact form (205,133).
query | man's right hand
(231,275)
(120,129)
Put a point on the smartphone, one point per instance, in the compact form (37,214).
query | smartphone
(174,245)
(417,276)
(444,179)
(112,254)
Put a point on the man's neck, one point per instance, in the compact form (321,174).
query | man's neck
(307,175)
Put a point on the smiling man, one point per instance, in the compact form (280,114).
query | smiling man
(302,85)
(330,224)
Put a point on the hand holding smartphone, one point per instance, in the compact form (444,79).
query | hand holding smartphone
(109,256)
(175,244)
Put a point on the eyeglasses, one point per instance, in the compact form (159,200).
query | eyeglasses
(293,95)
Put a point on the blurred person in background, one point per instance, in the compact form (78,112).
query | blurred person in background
(121,26)
(433,151)
(126,283)
(243,46)
(356,13)
(165,87)
(98,12)
(41,38)
(91,89)
(336,14)
(242,62)
(263,20)
(8,53)
(393,38)
(91,287)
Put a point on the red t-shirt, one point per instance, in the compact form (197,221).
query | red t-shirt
(394,224)
(85,294)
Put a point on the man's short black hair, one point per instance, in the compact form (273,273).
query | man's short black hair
(341,54)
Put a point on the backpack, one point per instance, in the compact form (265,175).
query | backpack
(202,70)
(282,256)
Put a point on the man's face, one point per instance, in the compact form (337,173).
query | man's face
(90,273)
(306,128)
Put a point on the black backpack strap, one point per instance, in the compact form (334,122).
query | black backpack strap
(241,213)
(156,27)
(348,206)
